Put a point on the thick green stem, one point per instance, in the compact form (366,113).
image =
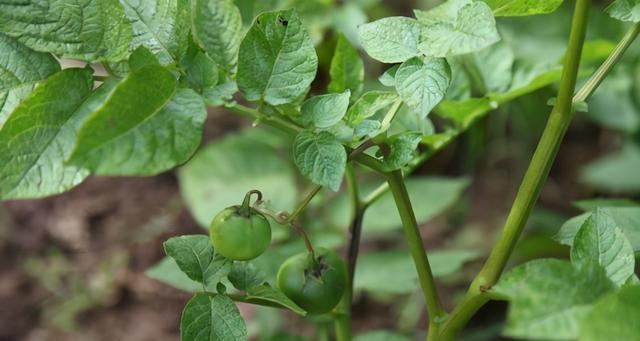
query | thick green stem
(412,235)
(532,183)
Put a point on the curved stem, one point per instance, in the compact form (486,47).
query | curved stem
(414,239)
(245,208)
(532,183)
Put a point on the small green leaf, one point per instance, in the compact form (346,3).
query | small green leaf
(142,57)
(625,10)
(457,27)
(201,72)
(600,241)
(402,149)
(510,8)
(391,39)
(287,59)
(325,110)
(245,275)
(162,26)
(196,257)
(626,219)
(321,158)
(614,317)
(220,94)
(347,68)
(388,77)
(217,27)
(549,297)
(145,126)
(168,272)
(40,133)
(368,104)
(422,83)
(212,318)
(368,128)
(269,294)
(381,335)
(91,30)
(20,69)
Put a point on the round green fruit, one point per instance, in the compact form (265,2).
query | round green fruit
(315,285)
(240,234)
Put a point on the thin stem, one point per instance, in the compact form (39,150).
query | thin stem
(274,121)
(302,205)
(386,121)
(592,84)
(534,178)
(412,235)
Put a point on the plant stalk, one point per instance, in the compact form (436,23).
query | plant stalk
(532,183)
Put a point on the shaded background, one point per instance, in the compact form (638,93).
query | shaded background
(72,266)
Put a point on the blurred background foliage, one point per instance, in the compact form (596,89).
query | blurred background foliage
(88,264)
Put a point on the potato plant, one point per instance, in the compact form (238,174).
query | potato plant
(167,61)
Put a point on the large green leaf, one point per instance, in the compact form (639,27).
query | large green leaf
(212,318)
(221,173)
(392,39)
(457,27)
(197,259)
(600,241)
(39,136)
(217,27)
(509,8)
(325,110)
(614,317)
(626,218)
(625,10)
(245,275)
(422,83)
(277,60)
(347,68)
(614,172)
(162,26)
(549,297)
(145,127)
(430,196)
(20,69)
(400,264)
(321,158)
(92,30)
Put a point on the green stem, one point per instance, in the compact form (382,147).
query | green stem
(532,183)
(274,121)
(412,235)
(303,204)
(592,84)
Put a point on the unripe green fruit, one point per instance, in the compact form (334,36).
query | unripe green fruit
(239,235)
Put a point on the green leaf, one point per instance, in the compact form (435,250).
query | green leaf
(368,128)
(511,8)
(614,172)
(196,257)
(167,271)
(212,318)
(626,218)
(388,77)
(201,72)
(217,27)
(325,110)
(20,69)
(220,94)
(592,204)
(495,66)
(140,58)
(625,10)
(402,149)
(465,112)
(287,59)
(368,104)
(431,196)
(222,171)
(347,69)
(457,27)
(162,26)
(91,30)
(321,158)
(549,297)
(600,241)
(391,39)
(40,133)
(400,264)
(145,126)
(265,293)
(422,83)
(245,275)
(614,317)
(381,335)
